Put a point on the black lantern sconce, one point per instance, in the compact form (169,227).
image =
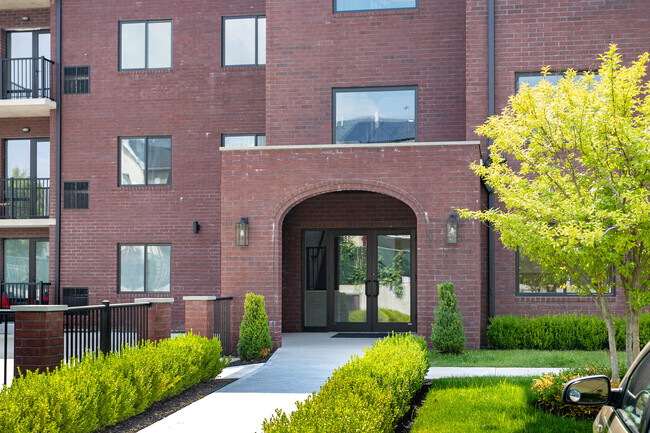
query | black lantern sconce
(452,229)
(196,227)
(241,233)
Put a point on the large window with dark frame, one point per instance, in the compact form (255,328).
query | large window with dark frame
(373,5)
(244,41)
(146,44)
(145,268)
(375,115)
(243,140)
(145,161)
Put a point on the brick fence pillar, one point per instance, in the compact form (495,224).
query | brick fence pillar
(199,315)
(159,318)
(38,337)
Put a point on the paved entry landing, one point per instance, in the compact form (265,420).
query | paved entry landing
(298,368)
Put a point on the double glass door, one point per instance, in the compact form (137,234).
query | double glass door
(360,280)
(28,75)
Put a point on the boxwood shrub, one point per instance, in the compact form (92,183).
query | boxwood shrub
(102,390)
(560,332)
(368,394)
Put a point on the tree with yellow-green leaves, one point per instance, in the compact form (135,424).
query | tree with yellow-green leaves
(570,163)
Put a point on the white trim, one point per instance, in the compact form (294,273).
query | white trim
(27,223)
(199,298)
(354,146)
(39,308)
(154,300)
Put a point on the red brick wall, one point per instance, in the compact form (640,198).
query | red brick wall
(431,180)
(333,210)
(195,102)
(38,340)
(311,50)
(530,35)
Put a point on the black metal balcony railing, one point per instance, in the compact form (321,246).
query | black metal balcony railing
(25,198)
(26,78)
(24,294)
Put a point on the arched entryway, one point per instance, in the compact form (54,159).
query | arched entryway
(349,264)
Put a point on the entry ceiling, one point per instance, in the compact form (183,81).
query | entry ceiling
(24,4)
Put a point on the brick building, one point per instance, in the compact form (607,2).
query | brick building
(337,134)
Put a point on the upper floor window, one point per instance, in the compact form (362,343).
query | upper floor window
(372,5)
(533,78)
(379,115)
(244,41)
(145,268)
(243,140)
(145,45)
(145,161)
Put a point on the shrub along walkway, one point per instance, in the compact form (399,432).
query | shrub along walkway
(297,369)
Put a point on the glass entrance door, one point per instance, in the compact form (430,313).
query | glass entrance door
(372,280)
(25,69)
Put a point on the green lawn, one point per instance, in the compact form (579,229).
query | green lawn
(488,404)
(522,358)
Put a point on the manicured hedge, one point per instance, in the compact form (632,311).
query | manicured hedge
(103,390)
(368,394)
(561,332)
(548,392)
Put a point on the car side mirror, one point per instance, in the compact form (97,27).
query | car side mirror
(588,391)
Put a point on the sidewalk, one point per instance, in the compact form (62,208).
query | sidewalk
(299,368)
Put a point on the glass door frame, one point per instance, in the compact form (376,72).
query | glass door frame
(372,323)
(31,259)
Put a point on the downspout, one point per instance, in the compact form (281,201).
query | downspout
(59,91)
(490,191)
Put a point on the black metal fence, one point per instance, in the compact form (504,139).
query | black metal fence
(24,294)
(103,328)
(222,323)
(26,78)
(7,346)
(25,198)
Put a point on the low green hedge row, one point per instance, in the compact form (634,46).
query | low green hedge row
(368,394)
(560,332)
(102,390)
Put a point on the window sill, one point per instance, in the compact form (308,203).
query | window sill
(144,71)
(354,14)
(244,68)
(145,188)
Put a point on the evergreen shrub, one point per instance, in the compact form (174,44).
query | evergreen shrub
(254,333)
(447,333)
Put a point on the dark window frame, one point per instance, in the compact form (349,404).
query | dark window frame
(146,44)
(146,160)
(257,136)
(336,11)
(562,294)
(75,78)
(336,90)
(223,41)
(145,245)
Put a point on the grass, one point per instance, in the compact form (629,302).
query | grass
(522,358)
(488,404)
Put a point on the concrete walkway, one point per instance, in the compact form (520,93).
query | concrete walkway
(298,368)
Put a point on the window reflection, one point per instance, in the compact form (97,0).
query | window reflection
(145,161)
(364,5)
(244,41)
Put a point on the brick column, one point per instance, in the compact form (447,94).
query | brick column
(159,317)
(199,315)
(38,337)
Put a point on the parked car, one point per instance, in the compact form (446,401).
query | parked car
(626,409)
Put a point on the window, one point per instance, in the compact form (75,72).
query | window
(76,80)
(75,195)
(145,268)
(244,41)
(145,161)
(243,140)
(145,45)
(533,78)
(26,260)
(380,115)
(372,5)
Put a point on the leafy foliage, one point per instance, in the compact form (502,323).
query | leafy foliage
(102,390)
(254,332)
(447,333)
(368,394)
(548,392)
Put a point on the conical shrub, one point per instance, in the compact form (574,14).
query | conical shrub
(447,333)
(254,333)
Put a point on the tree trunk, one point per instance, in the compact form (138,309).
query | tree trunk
(631,331)
(611,335)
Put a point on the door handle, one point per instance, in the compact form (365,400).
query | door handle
(372,288)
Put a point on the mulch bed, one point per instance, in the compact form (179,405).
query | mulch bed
(406,423)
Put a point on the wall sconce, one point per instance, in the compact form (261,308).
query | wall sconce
(241,233)
(196,227)
(452,229)
(25,129)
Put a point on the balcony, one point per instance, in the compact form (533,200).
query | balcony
(25,203)
(24,4)
(26,87)
(24,294)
